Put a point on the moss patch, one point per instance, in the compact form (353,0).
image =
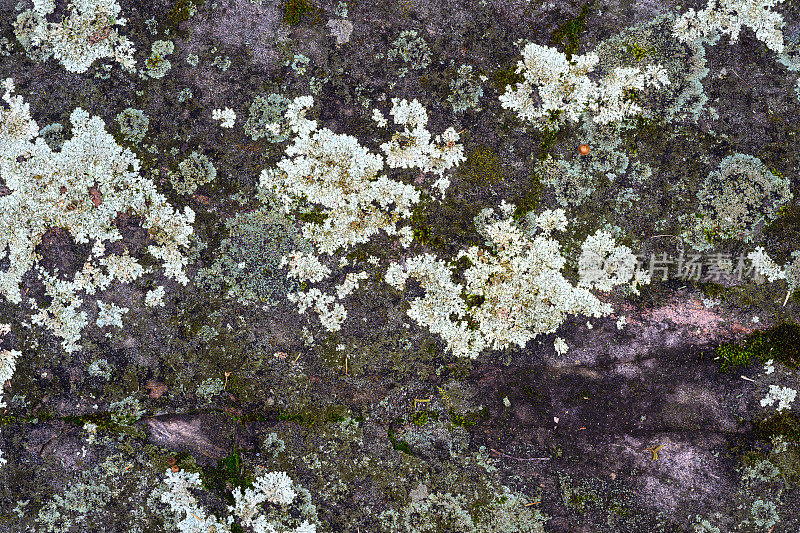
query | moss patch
(227,475)
(780,343)
(183,10)
(569,32)
(504,77)
(315,416)
(639,52)
(420,418)
(482,167)
(295,9)
(399,444)
(784,424)
(530,200)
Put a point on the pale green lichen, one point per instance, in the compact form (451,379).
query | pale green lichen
(653,43)
(221,62)
(273,445)
(448,513)
(126,411)
(100,368)
(764,514)
(133,124)
(185,94)
(247,263)
(266,118)
(85,33)
(50,190)
(736,198)
(272,502)
(465,90)
(412,50)
(93,499)
(210,388)
(157,64)
(53,135)
(194,171)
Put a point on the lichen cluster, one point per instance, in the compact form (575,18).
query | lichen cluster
(414,301)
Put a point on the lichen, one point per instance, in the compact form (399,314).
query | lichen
(133,124)
(194,171)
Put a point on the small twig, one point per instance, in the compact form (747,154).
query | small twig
(737,75)
(420,400)
(520,458)
(655,449)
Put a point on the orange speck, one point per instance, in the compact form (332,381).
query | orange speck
(201,199)
(584,149)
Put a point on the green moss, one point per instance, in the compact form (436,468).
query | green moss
(732,357)
(780,343)
(45,415)
(183,10)
(482,167)
(431,347)
(466,420)
(530,200)
(460,369)
(424,235)
(547,142)
(39,416)
(712,290)
(505,77)
(783,233)
(569,32)
(314,216)
(638,52)
(295,9)
(620,510)
(784,424)
(438,225)
(399,444)
(227,475)
(420,418)
(473,300)
(315,416)
(104,421)
(578,495)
